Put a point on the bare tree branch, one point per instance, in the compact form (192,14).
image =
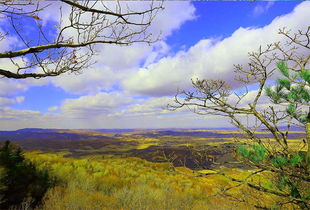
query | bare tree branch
(89,23)
(215,97)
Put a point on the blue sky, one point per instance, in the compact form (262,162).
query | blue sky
(132,93)
(221,19)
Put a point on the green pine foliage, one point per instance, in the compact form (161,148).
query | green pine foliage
(256,153)
(305,74)
(284,83)
(279,161)
(20,180)
(283,68)
(296,159)
(292,89)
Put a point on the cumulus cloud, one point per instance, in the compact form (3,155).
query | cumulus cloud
(8,42)
(145,70)
(143,107)
(248,98)
(11,119)
(19,99)
(53,108)
(168,74)
(211,58)
(90,105)
(90,81)
(7,113)
(84,112)
(105,110)
(12,87)
(4,101)
(8,87)
(176,12)
(262,8)
(115,62)
(172,17)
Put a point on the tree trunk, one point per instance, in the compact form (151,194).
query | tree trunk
(308,143)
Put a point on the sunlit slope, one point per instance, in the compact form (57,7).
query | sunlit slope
(133,183)
(148,144)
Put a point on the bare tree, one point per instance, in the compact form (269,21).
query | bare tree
(274,154)
(73,45)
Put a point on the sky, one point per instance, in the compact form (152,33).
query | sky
(130,86)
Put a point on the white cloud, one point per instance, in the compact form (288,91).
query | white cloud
(90,81)
(262,7)
(176,12)
(9,87)
(53,108)
(211,58)
(105,110)
(116,62)
(248,98)
(8,42)
(100,103)
(11,119)
(52,11)
(172,17)
(4,101)
(104,107)
(113,62)
(19,99)
(7,113)
(142,107)
(168,74)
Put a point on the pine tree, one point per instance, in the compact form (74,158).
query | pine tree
(275,154)
(21,179)
(293,90)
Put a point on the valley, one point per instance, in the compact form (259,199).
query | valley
(192,148)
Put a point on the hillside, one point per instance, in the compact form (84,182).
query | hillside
(133,183)
(180,146)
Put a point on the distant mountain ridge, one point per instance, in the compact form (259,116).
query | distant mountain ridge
(35,130)
(40,134)
(122,130)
